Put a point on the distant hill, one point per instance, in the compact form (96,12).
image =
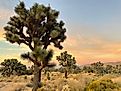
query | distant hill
(106,63)
(113,63)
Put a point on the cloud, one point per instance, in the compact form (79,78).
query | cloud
(7,48)
(5,14)
(88,43)
(8,51)
(88,46)
(1,33)
(93,49)
(6,10)
(85,49)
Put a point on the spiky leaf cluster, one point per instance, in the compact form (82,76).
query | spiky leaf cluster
(39,56)
(66,60)
(35,27)
(12,67)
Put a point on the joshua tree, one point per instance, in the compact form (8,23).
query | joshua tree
(98,68)
(67,61)
(13,67)
(37,28)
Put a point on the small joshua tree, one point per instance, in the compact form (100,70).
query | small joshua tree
(13,67)
(66,61)
(98,68)
(37,28)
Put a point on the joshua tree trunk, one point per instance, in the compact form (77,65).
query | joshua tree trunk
(40,85)
(66,73)
(37,78)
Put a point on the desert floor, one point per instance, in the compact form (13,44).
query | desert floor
(57,82)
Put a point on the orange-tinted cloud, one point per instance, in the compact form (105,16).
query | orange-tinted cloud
(85,43)
(88,50)
(5,14)
(1,34)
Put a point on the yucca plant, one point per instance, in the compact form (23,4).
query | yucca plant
(37,28)
(13,67)
(66,61)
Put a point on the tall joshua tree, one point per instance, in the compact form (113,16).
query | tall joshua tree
(66,61)
(37,28)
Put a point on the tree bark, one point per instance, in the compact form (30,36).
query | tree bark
(37,78)
(66,73)
(40,85)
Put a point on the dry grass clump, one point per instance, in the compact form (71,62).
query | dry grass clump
(57,82)
(15,83)
(102,84)
(23,78)
(75,82)
(117,80)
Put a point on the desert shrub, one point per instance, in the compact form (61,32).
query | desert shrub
(29,72)
(13,67)
(61,69)
(97,68)
(19,89)
(48,76)
(25,77)
(66,88)
(102,69)
(88,69)
(75,82)
(76,69)
(102,85)
(29,85)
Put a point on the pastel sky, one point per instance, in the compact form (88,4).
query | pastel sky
(93,29)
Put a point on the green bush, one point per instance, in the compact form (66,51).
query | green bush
(13,67)
(102,85)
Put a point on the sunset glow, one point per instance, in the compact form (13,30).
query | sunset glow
(93,29)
